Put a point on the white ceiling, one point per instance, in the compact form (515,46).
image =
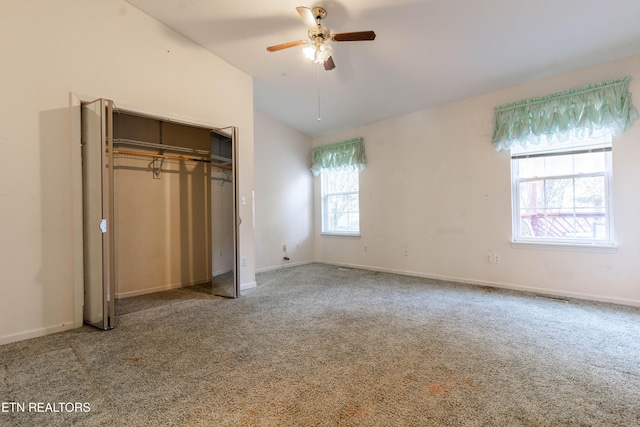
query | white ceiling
(427,52)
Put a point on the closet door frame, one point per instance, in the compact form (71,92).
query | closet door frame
(76,101)
(236,212)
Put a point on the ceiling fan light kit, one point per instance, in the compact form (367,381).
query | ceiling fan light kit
(317,48)
(318,52)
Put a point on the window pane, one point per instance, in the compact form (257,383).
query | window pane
(340,202)
(352,203)
(354,221)
(558,193)
(599,227)
(535,224)
(343,222)
(562,165)
(530,224)
(590,162)
(590,192)
(336,204)
(575,208)
(531,195)
(562,224)
(332,203)
(340,182)
(558,165)
(532,167)
(333,184)
(353,181)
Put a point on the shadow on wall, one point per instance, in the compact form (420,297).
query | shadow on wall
(55,279)
(195,252)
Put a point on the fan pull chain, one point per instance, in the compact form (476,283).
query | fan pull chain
(318,69)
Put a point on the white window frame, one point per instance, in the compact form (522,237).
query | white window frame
(519,240)
(324,176)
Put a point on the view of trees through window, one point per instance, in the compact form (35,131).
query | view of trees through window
(340,202)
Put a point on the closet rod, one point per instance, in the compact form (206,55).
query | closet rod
(168,156)
(223,180)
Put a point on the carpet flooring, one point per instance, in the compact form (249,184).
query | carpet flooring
(220,285)
(318,345)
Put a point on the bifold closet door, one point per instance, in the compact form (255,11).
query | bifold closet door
(97,192)
(224,288)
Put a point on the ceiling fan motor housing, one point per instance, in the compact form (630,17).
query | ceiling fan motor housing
(319,13)
(322,33)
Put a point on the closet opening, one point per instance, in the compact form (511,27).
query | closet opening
(167,209)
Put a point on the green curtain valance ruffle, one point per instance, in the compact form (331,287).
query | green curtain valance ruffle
(346,155)
(600,106)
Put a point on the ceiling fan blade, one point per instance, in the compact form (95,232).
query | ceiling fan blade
(307,17)
(329,64)
(354,37)
(285,45)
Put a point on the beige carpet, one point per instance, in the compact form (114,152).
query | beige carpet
(318,345)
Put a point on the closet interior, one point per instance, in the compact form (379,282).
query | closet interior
(173,202)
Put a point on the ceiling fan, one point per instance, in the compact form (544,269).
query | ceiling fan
(317,48)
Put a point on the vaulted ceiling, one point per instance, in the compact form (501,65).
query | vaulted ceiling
(426,53)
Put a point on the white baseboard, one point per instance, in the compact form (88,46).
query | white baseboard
(121,295)
(510,286)
(287,265)
(221,272)
(250,285)
(35,333)
(129,294)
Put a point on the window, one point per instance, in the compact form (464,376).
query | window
(340,202)
(561,161)
(339,165)
(562,191)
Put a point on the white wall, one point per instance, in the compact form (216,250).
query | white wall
(436,188)
(284,194)
(162,227)
(107,49)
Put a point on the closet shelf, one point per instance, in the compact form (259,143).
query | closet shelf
(163,147)
(224,160)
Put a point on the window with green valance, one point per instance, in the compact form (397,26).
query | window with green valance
(341,156)
(579,111)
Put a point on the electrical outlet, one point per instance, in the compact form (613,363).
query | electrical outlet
(365,248)
(284,248)
(297,247)
(244,262)
(488,257)
(496,258)
(219,252)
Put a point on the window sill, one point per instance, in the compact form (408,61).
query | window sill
(575,247)
(336,234)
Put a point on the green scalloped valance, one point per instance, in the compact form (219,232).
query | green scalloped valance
(600,106)
(345,155)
